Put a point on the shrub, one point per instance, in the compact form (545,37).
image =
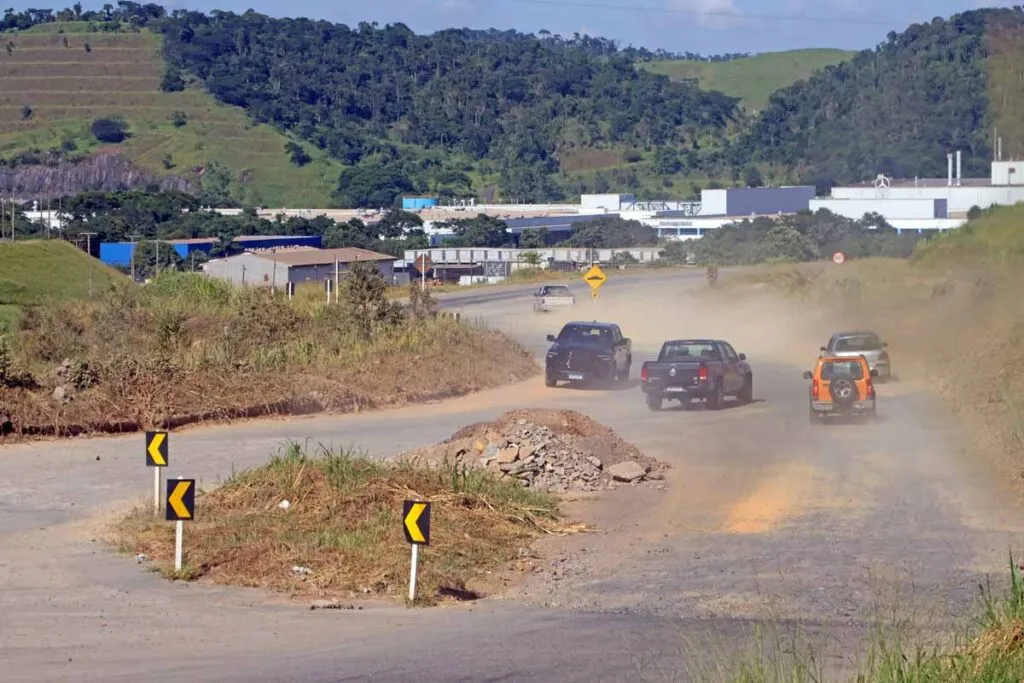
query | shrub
(110,130)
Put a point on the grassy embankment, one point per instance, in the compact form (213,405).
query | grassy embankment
(36,273)
(51,91)
(343,528)
(751,79)
(954,316)
(186,349)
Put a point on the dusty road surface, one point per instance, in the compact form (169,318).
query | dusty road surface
(762,517)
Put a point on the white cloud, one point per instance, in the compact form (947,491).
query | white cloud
(710,13)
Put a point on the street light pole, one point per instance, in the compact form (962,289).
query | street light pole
(88,249)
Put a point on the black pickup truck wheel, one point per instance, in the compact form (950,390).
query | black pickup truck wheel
(653,401)
(550,381)
(747,391)
(715,399)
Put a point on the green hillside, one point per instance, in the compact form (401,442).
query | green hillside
(751,79)
(37,272)
(993,237)
(900,108)
(56,78)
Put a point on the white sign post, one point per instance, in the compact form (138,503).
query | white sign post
(179,531)
(412,571)
(156,489)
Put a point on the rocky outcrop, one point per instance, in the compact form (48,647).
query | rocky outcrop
(106,171)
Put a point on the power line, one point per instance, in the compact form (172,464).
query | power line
(720,14)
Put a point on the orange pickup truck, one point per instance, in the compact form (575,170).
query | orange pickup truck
(841,386)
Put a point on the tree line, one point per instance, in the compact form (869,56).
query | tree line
(459,111)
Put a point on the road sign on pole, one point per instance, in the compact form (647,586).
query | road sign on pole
(595,277)
(416,525)
(423,264)
(838,257)
(156,457)
(181,507)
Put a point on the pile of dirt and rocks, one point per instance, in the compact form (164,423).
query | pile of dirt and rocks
(552,450)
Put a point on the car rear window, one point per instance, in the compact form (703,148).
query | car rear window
(558,290)
(833,369)
(684,350)
(867,342)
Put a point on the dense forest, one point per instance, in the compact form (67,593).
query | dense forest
(498,113)
(502,103)
(897,109)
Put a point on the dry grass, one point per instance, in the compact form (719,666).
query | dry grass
(186,349)
(344,525)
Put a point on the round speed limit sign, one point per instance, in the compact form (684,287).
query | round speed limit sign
(838,257)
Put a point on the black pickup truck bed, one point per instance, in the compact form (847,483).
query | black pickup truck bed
(696,369)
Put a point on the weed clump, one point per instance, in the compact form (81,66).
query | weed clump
(340,531)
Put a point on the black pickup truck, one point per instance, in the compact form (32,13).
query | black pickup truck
(687,369)
(588,352)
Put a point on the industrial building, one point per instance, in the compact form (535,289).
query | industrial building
(1004,186)
(755,201)
(892,208)
(467,266)
(120,253)
(275,268)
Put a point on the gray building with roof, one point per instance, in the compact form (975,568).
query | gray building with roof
(276,268)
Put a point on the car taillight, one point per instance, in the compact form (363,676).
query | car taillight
(702,373)
(814,389)
(643,374)
(871,389)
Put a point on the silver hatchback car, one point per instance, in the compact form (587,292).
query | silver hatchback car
(862,343)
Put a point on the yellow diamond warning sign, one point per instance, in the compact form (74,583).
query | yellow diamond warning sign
(595,277)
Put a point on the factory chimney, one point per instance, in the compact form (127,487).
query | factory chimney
(949,169)
(958,176)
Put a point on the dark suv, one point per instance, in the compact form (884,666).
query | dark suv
(588,352)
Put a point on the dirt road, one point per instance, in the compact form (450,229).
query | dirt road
(762,516)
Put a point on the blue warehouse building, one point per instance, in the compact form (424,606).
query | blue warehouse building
(120,253)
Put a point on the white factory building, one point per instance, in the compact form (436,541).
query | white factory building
(932,202)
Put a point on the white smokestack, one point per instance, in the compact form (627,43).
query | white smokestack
(958,176)
(949,170)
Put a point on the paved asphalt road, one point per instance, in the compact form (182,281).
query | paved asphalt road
(762,517)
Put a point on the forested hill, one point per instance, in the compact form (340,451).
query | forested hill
(512,107)
(898,109)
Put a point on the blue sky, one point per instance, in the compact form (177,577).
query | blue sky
(705,26)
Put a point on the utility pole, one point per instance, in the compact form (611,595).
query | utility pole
(88,249)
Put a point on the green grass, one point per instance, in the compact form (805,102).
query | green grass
(752,79)
(38,272)
(67,87)
(994,237)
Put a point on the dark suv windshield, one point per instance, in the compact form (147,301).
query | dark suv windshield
(868,342)
(585,334)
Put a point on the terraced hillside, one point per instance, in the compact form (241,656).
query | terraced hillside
(752,79)
(55,79)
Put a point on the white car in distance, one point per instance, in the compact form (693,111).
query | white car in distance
(550,297)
